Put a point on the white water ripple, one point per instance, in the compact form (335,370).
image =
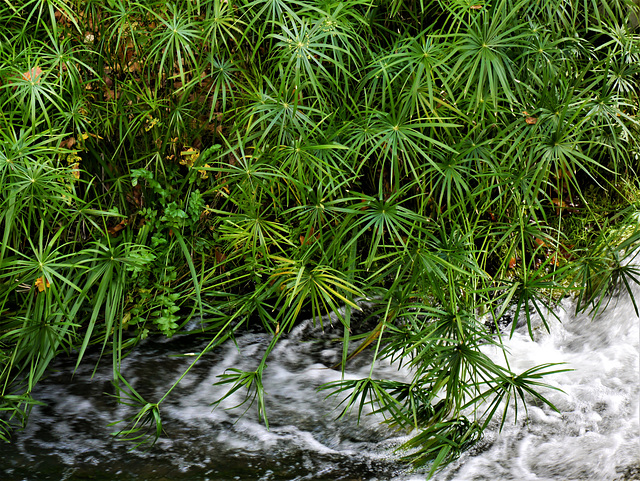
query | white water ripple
(596,436)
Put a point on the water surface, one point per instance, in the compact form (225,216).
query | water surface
(595,437)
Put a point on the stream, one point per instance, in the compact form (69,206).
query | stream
(595,437)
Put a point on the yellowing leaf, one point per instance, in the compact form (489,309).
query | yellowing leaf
(40,284)
(189,156)
(203,173)
(33,75)
(75,170)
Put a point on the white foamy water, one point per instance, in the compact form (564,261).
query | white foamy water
(595,437)
(596,434)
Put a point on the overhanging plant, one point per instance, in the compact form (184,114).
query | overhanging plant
(252,161)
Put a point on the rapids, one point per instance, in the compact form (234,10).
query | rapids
(595,437)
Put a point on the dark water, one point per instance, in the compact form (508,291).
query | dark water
(69,438)
(594,438)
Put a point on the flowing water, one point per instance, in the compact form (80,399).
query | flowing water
(595,437)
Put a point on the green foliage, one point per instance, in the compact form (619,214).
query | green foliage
(267,160)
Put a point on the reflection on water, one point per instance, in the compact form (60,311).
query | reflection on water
(595,437)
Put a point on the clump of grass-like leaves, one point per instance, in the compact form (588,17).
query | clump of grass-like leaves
(260,160)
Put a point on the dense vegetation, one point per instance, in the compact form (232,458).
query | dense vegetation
(254,162)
